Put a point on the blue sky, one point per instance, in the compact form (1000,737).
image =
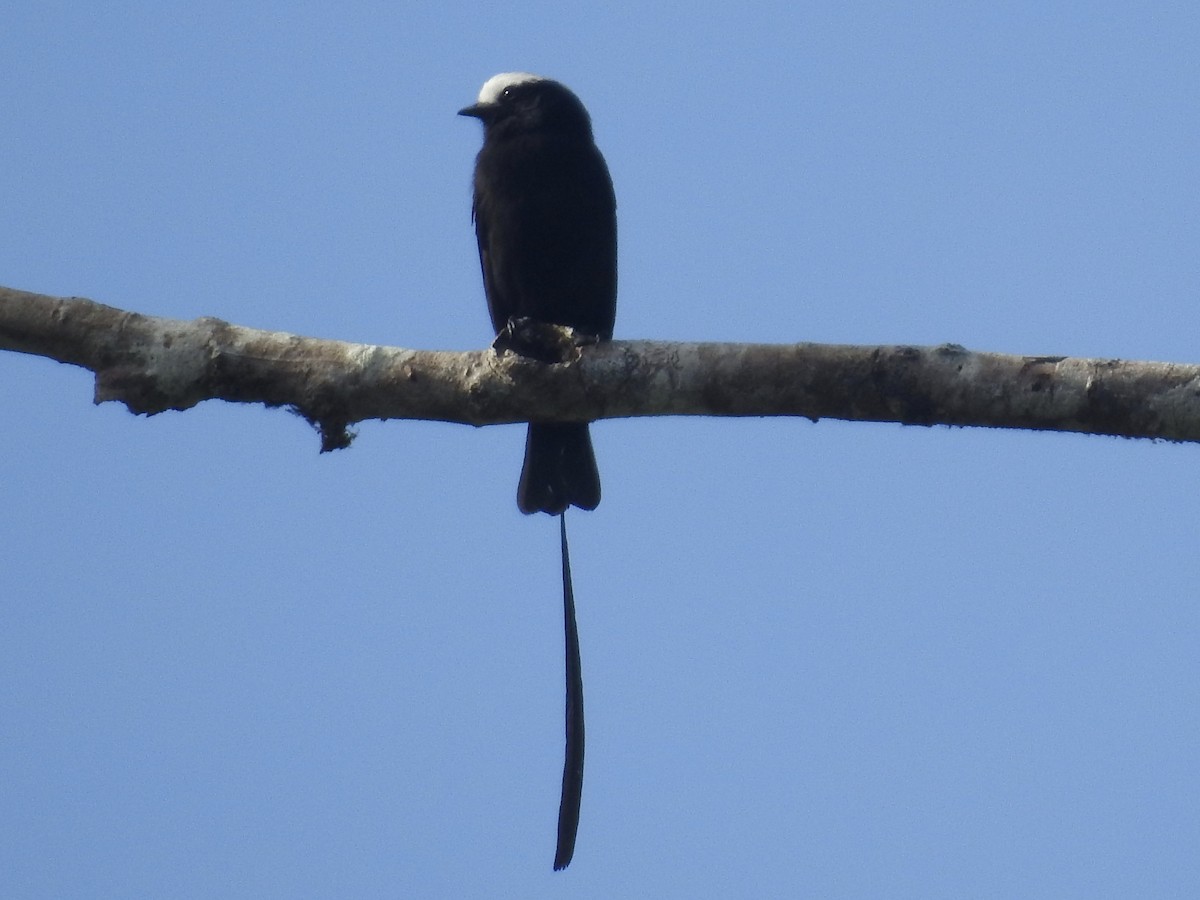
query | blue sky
(836,660)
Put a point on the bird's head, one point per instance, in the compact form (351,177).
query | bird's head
(516,102)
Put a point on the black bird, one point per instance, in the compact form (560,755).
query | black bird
(546,223)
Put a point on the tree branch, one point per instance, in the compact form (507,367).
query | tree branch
(153,364)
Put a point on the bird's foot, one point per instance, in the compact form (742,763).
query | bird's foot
(541,341)
(583,339)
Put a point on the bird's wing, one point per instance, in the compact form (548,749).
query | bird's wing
(497,309)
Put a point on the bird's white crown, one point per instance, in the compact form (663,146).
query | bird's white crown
(494,86)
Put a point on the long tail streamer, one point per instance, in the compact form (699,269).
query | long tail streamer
(572,780)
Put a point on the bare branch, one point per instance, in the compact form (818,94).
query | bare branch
(153,364)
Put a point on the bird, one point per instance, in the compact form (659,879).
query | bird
(545,216)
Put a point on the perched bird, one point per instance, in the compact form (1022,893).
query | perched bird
(546,223)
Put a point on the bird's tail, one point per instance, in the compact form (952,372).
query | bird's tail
(560,469)
(572,780)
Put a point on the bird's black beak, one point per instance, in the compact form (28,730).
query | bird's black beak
(476,110)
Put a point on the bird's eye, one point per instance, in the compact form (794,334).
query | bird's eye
(507,93)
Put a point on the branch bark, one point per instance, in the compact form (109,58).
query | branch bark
(154,364)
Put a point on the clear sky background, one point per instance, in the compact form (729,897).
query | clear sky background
(827,660)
